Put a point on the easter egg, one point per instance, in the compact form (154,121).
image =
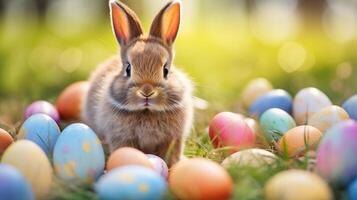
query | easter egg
(200,179)
(28,158)
(297,185)
(352,190)
(299,139)
(42,130)
(43,107)
(230,129)
(274,99)
(275,123)
(159,165)
(78,154)
(250,157)
(327,117)
(307,102)
(253,125)
(131,182)
(5,140)
(350,105)
(13,185)
(127,156)
(70,101)
(255,89)
(336,160)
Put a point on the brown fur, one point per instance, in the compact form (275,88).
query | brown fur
(115,106)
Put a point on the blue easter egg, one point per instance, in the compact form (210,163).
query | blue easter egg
(274,99)
(13,185)
(275,123)
(131,182)
(352,190)
(42,130)
(350,106)
(78,154)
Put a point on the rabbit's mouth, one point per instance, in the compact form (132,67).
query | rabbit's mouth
(146,102)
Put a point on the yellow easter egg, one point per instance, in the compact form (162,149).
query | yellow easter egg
(297,185)
(32,162)
(250,157)
(299,139)
(254,89)
(327,117)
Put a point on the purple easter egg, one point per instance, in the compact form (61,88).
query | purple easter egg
(159,165)
(336,154)
(42,107)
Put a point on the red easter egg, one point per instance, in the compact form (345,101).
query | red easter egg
(230,129)
(69,103)
(5,140)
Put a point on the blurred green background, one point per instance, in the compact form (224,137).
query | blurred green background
(48,44)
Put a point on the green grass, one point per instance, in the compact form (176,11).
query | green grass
(35,63)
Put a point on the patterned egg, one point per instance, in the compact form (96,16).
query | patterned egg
(299,139)
(327,117)
(131,182)
(42,130)
(250,157)
(275,123)
(28,158)
(200,179)
(5,140)
(352,190)
(307,102)
(254,89)
(43,107)
(350,105)
(78,154)
(70,101)
(159,165)
(336,159)
(13,186)
(297,185)
(273,99)
(230,129)
(127,156)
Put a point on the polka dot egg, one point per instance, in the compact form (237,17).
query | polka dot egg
(131,182)
(78,154)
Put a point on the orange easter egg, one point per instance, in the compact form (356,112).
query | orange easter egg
(5,140)
(200,179)
(70,101)
(299,139)
(128,156)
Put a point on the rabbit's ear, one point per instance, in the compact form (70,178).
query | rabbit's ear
(126,25)
(166,24)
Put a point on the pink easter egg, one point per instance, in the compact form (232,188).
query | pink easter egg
(230,129)
(42,107)
(159,165)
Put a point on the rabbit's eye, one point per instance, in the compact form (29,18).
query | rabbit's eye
(128,70)
(166,71)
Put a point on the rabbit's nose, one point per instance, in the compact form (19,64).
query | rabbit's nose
(147,95)
(147,91)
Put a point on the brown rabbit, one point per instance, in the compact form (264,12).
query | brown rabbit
(139,98)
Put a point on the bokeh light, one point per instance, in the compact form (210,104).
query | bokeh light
(274,21)
(340,20)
